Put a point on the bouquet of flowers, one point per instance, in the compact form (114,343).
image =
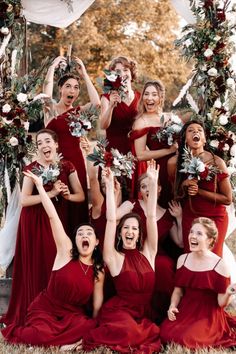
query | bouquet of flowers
(114,82)
(49,173)
(121,165)
(195,167)
(170,130)
(81,122)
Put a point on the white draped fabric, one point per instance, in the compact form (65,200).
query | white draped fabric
(183,9)
(54,12)
(9,231)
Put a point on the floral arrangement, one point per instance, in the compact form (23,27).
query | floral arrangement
(121,165)
(81,122)
(10,11)
(195,167)
(48,174)
(114,82)
(170,130)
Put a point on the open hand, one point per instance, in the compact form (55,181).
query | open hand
(58,61)
(36,179)
(175,209)
(80,67)
(153,170)
(172,313)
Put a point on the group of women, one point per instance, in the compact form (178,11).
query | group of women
(142,296)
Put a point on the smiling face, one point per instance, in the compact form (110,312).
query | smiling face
(195,136)
(47,147)
(69,91)
(130,233)
(198,238)
(124,71)
(86,240)
(151,99)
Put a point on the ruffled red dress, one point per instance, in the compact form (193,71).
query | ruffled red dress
(124,322)
(153,144)
(197,206)
(69,146)
(201,322)
(57,316)
(35,249)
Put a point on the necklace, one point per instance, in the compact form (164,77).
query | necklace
(83,269)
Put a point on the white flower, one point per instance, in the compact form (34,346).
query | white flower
(223,120)
(201,166)
(220,4)
(6,108)
(112,77)
(188,42)
(217,38)
(233,150)
(203,67)
(116,162)
(175,119)
(217,103)
(212,72)
(6,121)
(88,125)
(231,170)
(21,97)
(40,96)
(13,141)
(4,30)
(208,53)
(214,143)
(230,82)
(209,116)
(226,147)
(26,126)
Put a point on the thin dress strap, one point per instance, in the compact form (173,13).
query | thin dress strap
(217,263)
(186,258)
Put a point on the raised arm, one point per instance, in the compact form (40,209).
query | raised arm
(151,242)
(63,242)
(92,92)
(111,257)
(49,79)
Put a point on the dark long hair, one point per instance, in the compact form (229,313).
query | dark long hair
(96,255)
(119,244)
(49,132)
(180,177)
(66,77)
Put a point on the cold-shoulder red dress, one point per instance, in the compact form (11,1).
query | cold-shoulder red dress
(123,116)
(201,322)
(57,316)
(124,322)
(35,249)
(153,144)
(69,146)
(197,206)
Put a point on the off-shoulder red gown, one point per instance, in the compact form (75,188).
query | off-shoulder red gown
(197,206)
(69,146)
(153,144)
(201,322)
(57,315)
(124,321)
(35,249)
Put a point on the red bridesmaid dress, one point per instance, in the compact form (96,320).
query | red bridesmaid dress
(57,315)
(199,206)
(124,323)
(35,249)
(201,322)
(69,146)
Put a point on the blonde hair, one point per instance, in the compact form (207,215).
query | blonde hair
(210,227)
(161,92)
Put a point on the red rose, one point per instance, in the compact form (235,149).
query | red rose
(204,174)
(221,15)
(108,157)
(233,119)
(117,84)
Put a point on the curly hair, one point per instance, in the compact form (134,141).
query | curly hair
(161,92)
(127,63)
(210,227)
(98,265)
(66,77)
(119,244)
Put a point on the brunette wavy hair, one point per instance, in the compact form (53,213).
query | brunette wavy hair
(210,227)
(98,265)
(119,244)
(66,77)
(49,132)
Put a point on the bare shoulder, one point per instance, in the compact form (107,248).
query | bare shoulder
(222,268)
(172,161)
(139,123)
(181,260)
(220,163)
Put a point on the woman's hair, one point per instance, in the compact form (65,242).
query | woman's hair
(96,255)
(119,244)
(180,177)
(66,77)
(210,227)
(161,92)
(47,131)
(144,175)
(127,63)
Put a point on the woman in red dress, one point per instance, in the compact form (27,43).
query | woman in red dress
(57,315)
(201,197)
(146,146)
(196,316)
(124,323)
(56,118)
(35,249)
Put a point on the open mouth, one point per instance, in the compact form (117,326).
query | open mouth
(70,97)
(85,244)
(128,238)
(196,138)
(47,153)
(193,243)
